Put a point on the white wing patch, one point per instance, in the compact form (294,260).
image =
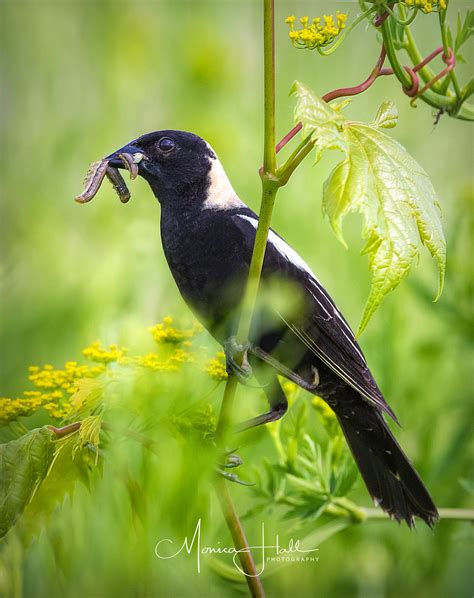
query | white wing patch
(283,248)
(290,255)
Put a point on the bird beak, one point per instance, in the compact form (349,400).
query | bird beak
(128,157)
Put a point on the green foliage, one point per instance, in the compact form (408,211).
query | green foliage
(308,480)
(38,469)
(24,464)
(101,543)
(381,181)
(464,30)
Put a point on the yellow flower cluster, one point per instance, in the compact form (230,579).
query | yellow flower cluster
(426,6)
(97,353)
(56,386)
(165,333)
(171,364)
(320,32)
(216,367)
(50,378)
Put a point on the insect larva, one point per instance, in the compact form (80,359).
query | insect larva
(118,183)
(130,164)
(95,176)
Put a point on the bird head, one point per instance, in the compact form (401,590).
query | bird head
(181,169)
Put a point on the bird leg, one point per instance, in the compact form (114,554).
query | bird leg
(278,406)
(273,415)
(284,371)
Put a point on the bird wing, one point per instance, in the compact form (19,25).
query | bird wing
(324,331)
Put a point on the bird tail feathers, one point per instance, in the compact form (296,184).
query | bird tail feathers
(390,478)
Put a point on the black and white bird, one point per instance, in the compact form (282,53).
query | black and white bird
(298,332)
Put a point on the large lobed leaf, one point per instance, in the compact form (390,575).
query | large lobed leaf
(24,464)
(381,181)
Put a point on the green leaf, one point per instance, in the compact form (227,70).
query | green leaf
(320,119)
(381,181)
(24,463)
(68,467)
(397,33)
(387,116)
(89,434)
(464,30)
(87,398)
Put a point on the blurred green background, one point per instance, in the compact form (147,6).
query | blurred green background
(82,78)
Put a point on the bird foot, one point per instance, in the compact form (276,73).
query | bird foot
(233,349)
(231,460)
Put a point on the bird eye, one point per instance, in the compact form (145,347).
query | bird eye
(166,144)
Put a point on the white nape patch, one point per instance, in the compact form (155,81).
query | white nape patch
(220,194)
(283,248)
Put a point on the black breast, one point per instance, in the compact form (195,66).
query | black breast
(208,260)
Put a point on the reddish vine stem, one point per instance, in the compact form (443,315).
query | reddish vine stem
(339,93)
(352,91)
(413,91)
(65,430)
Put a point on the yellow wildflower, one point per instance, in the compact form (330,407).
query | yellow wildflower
(97,353)
(151,361)
(216,367)
(318,33)
(426,6)
(165,333)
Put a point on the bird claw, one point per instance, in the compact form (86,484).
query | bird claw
(231,460)
(232,349)
(231,477)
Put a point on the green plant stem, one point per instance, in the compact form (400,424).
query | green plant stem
(447,49)
(429,96)
(445,513)
(270,182)
(240,540)
(269,189)
(346,32)
(412,50)
(405,20)
(285,171)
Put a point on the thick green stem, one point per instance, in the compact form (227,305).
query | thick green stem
(444,513)
(429,96)
(412,50)
(240,540)
(447,50)
(270,182)
(269,189)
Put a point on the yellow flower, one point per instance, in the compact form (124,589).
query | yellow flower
(316,34)
(216,367)
(165,333)
(426,6)
(97,353)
